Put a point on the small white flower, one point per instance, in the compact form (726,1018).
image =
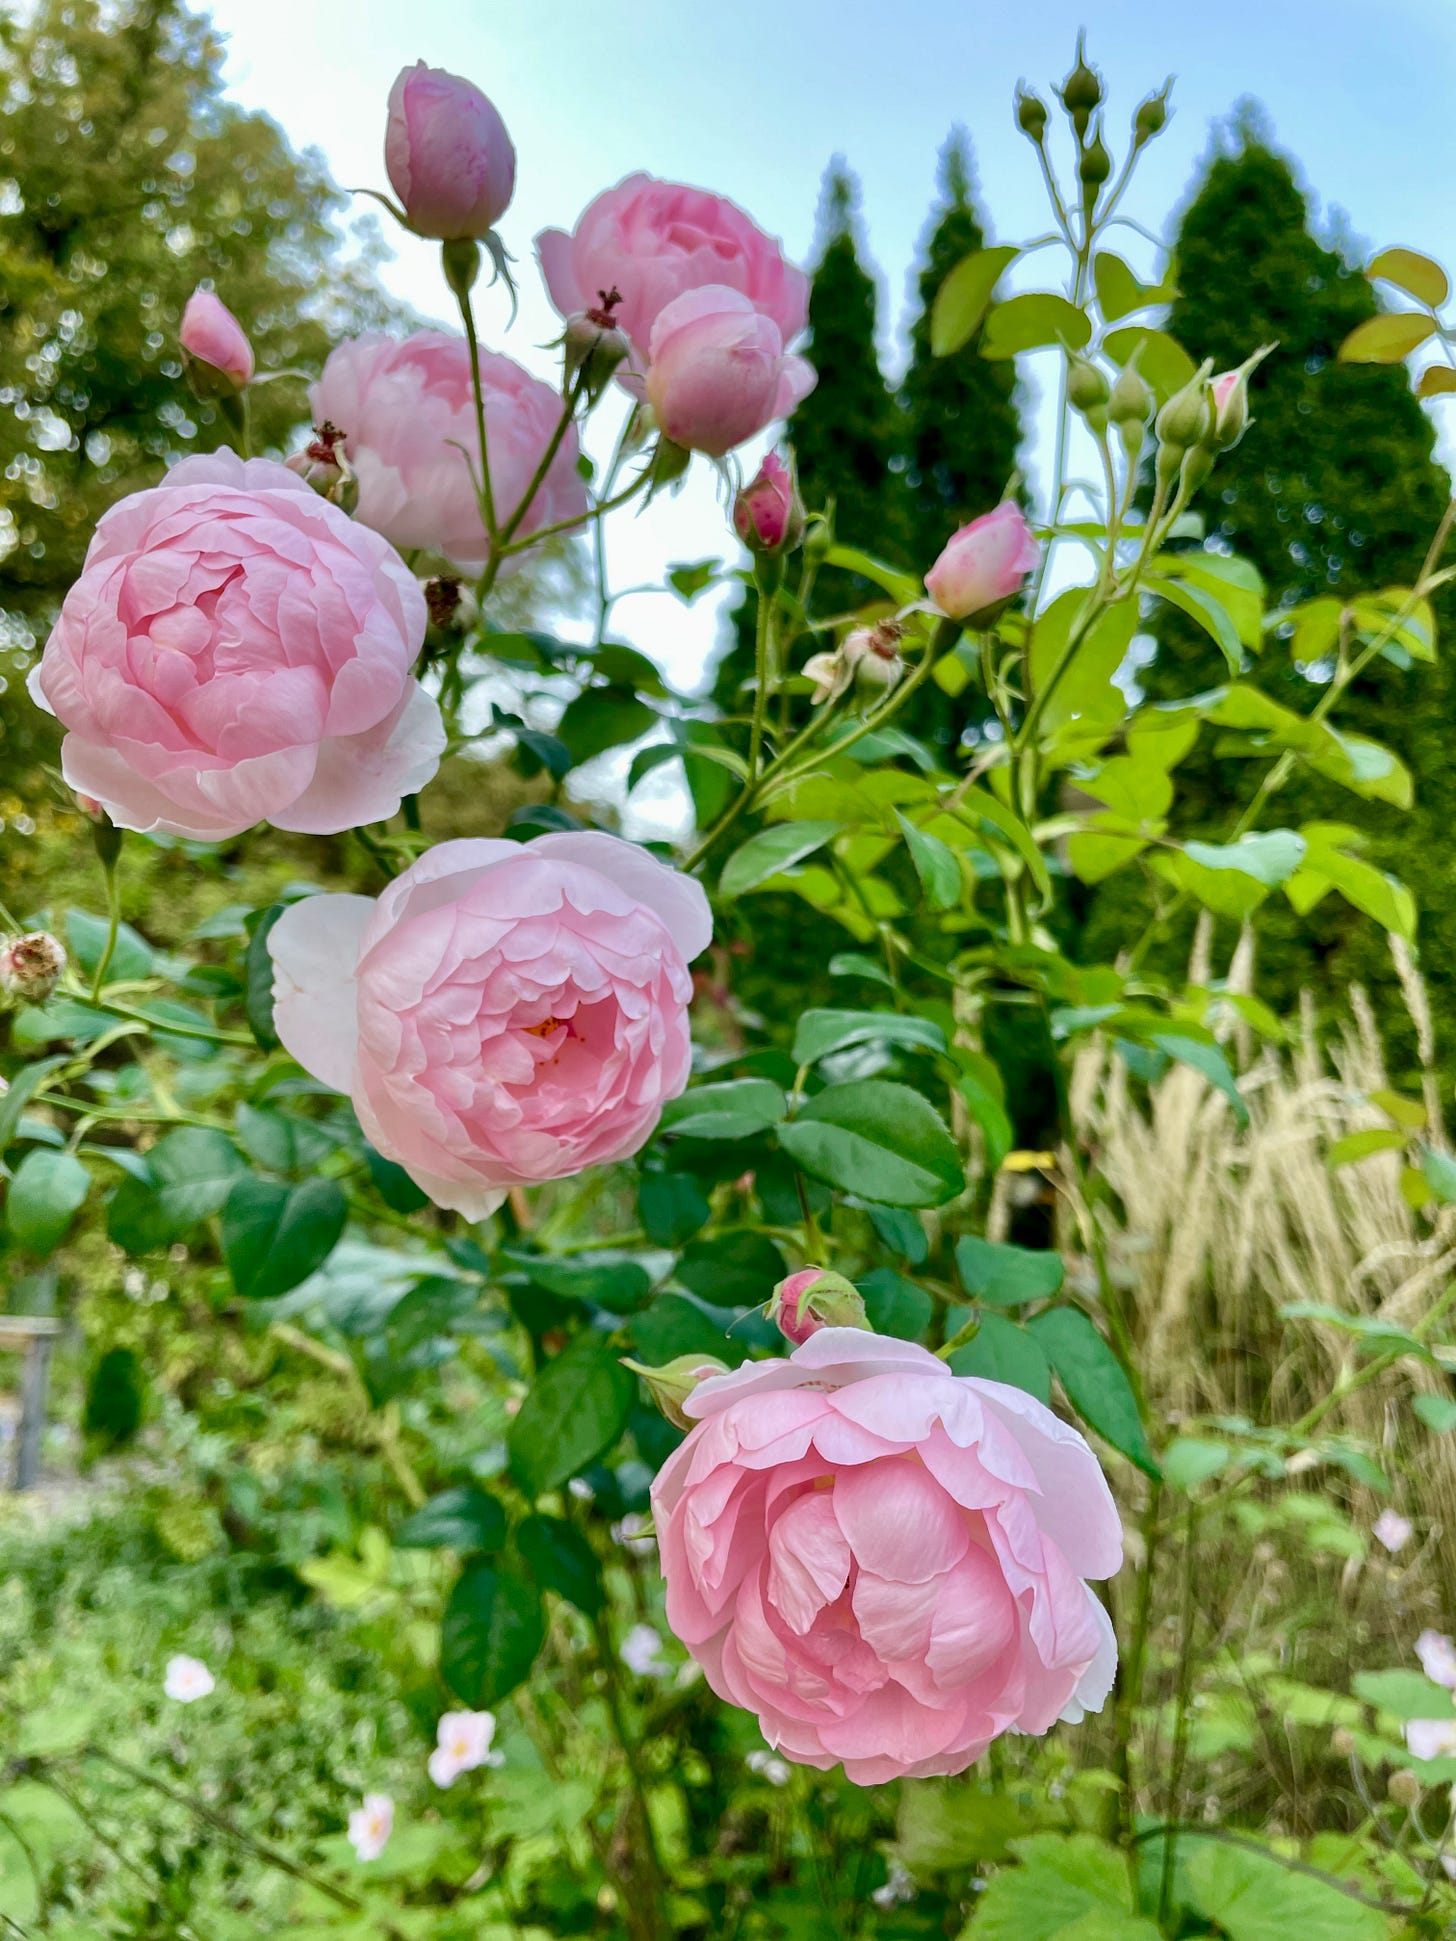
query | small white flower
(898,1889)
(1438,1658)
(768,1766)
(634,1532)
(641,1653)
(370,1825)
(462,1743)
(1430,1738)
(1392,1530)
(581,1489)
(187,1679)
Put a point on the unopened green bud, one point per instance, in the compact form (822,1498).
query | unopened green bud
(1031,114)
(1087,392)
(1096,163)
(1187,417)
(1404,1788)
(1082,90)
(674,1382)
(1131,398)
(1151,117)
(819,535)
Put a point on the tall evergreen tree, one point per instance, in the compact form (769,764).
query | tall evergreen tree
(962,428)
(1333,488)
(131,179)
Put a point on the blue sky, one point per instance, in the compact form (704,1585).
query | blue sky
(752,102)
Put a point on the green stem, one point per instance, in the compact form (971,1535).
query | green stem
(1132,1668)
(500,546)
(487,497)
(767,581)
(1187,1625)
(651,1912)
(113,925)
(966,1332)
(174,1030)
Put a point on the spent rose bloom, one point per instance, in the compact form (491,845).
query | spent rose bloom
(370,1825)
(30,968)
(884,1561)
(1392,1530)
(237,651)
(212,336)
(651,241)
(187,1679)
(504,1013)
(448,154)
(768,514)
(462,1743)
(716,371)
(405,408)
(984,565)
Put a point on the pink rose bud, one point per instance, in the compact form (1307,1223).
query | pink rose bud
(717,373)
(218,356)
(814,1298)
(674,1382)
(448,155)
(884,1561)
(984,566)
(1230,402)
(594,346)
(30,968)
(768,514)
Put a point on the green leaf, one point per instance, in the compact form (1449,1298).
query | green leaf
(1005,1276)
(821,1032)
(673,1208)
(1388,338)
(1327,865)
(962,299)
(895,1305)
(258,979)
(132,958)
(601,718)
(904,1233)
(192,1172)
(492,1631)
(852,963)
(393,1184)
(1234,584)
(981,1087)
(1253,1898)
(878,1140)
(1086,688)
(1439,1171)
(735,1109)
(1436,381)
(560,1559)
(23,1088)
(1404,1694)
(1162,360)
(1003,1351)
(275,1236)
(1094,1381)
(463,1519)
(46,1192)
(901,586)
(1189,1461)
(1207,1059)
(1033,322)
(1360,1145)
(1417,275)
(1271,857)
(608,1279)
(1438,1412)
(281,1143)
(936,864)
(1119,291)
(674,1325)
(575,1410)
(732,1269)
(1063,1879)
(689,580)
(1204,607)
(770,852)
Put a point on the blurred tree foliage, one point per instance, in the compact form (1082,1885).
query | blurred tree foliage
(126,179)
(1356,510)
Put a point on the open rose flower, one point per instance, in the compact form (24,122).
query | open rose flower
(237,651)
(717,372)
(505,1013)
(370,1825)
(462,1743)
(406,412)
(884,1561)
(651,241)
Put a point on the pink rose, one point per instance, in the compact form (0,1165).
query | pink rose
(652,241)
(505,1013)
(405,407)
(212,336)
(237,651)
(885,1561)
(984,566)
(716,371)
(768,515)
(448,154)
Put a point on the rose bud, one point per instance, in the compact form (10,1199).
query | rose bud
(814,1298)
(448,155)
(595,345)
(1088,393)
(717,373)
(984,566)
(1230,401)
(1031,114)
(674,1382)
(216,353)
(30,968)
(768,514)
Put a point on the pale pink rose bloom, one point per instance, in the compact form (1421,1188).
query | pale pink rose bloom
(716,371)
(406,407)
(886,1562)
(1438,1658)
(237,651)
(505,1013)
(1392,1530)
(187,1679)
(370,1825)
(1430,1738)
(651,241)
(984,565)
(463,1742)
(212,335)
(448,154)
